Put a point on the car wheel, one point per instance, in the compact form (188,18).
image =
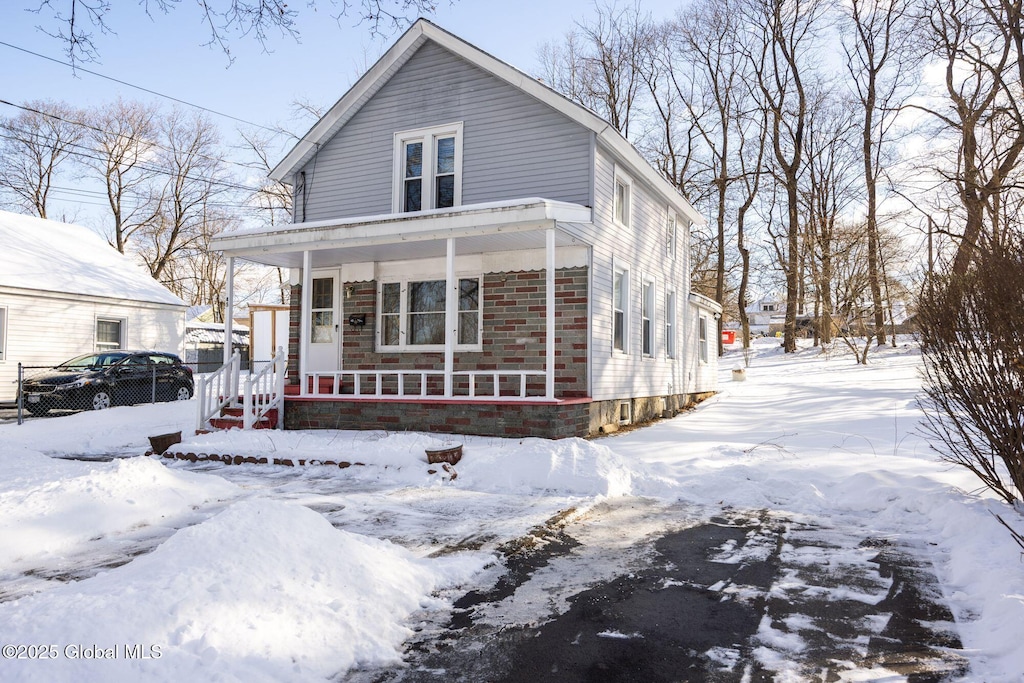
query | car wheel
(101,400)
(38,409)
(183,394)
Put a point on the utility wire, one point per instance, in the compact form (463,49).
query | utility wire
(147,90)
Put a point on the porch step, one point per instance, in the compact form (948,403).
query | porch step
(231,418)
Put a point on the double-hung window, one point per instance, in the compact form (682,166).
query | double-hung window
(622,200)
(428,168)
(109,334)
(670,323)
(647,317)
(412,315)
(702,338)
(620,309)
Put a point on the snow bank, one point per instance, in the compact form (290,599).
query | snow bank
(264,591)
(52,507)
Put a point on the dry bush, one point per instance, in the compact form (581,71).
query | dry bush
(972,335)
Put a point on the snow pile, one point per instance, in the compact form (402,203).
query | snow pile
(264,591)
(52,507)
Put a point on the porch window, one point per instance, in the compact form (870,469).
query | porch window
(428,168)
(647,317)
(412,315)
(620,309)
(108,334)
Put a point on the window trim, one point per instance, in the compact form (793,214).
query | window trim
(427,136)
(623,270)
(122,324)
(627,206)
(403,316)
(671,234)
(648,335)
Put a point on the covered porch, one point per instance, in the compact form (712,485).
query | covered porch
(432,312)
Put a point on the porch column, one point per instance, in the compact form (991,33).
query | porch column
(229,304)
(549,290)
(451,315)
(304,316)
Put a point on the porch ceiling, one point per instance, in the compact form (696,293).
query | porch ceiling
(480,228)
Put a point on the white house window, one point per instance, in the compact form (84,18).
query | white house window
(412,315)
(109,334)
(702,337)
(647,317)
(670,324)
(623,200)
(3,334)
(428,168)
(620,309)
(323,310)
(670,235)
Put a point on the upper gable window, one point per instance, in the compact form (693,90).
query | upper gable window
(428,168)
(622,199)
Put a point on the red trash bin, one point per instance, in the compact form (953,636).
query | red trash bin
(728,336)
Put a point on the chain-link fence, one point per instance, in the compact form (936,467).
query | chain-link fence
(102,380)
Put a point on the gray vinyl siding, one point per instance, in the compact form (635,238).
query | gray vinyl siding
(642,249)
(513,145)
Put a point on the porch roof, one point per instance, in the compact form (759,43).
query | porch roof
(495,226)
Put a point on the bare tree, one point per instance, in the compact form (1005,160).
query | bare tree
(780,61)
(34,145)
(74,22)
(878,59)
(124,135)
(191,159)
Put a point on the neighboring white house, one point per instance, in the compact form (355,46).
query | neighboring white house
(473,252)
(64,291)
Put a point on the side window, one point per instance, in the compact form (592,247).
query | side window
(109,334)
(3,333)
(647,297)
(620,309)
(703,338)
(670,324)
(623,200)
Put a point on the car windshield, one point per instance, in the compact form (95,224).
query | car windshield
(93,360)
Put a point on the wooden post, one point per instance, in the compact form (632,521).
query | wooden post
(451,316)
(549,363)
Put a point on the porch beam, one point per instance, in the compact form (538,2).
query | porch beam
(306,313)
(229,305)
(549,290)
(451,315)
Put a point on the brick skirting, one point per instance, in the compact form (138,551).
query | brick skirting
(571,417)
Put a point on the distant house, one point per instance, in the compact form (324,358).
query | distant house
(473,252)
(204,340)
(64,292)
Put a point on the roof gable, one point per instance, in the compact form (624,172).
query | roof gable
(49,256)
(422,31)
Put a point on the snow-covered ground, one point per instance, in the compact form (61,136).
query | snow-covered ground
(142,569)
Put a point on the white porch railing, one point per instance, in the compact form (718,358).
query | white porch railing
(261,392)
(370,384)
(264,391)
(217,390)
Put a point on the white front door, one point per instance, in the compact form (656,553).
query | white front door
(324,324)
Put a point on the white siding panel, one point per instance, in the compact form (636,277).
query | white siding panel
(45,330)
(642,248)
(513,146)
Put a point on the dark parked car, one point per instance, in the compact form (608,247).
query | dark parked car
(99,380)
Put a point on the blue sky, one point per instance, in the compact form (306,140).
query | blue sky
(165,54)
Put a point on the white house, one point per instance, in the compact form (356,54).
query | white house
(473,252)
(64,292)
